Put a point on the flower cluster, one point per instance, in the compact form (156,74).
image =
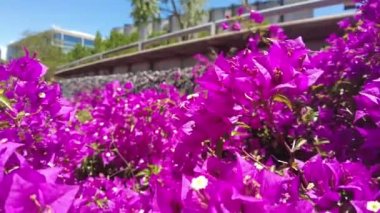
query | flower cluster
(273,129)
(32,116)
(254,16)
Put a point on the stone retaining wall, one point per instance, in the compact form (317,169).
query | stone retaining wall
(181,78)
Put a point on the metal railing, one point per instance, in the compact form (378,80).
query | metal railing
(210,28)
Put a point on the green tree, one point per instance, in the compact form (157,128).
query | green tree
(116,39)
(79,52)
(193,12)
(142,12)
(99,44)
(187,12)
(133,37)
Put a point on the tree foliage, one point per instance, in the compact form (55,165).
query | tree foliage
(115,39)
(98,43)
(144,10)
(187,12)
(78,52)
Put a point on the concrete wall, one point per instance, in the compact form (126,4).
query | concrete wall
(140,66)
(297,15)
(188,62)
(120,69)
(173,24)
(157,25)
(217,14)
(163,64)
(315,44)
(167,64)
(266,5)
(104,72)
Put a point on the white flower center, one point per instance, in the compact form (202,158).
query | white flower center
(199,183)
(373,206)
(195,95)
(259,166)
(42,95)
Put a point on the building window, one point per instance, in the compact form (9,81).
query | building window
(71,40)
(89,43)
(57,36)
(57,39)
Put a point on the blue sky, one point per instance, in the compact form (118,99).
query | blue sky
(19,16)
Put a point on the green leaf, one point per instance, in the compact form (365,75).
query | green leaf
(4,101)
(101,202)
(321,142)
(283,99)
(318,87)
(234,133)
(83,116)
(154,169)
(20,115)
(298,144)
(144,172)
(309,115)
(95,146)
(243,125)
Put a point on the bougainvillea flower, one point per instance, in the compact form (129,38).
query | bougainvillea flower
(29,190)
(27,68)
(236,26)
(273,127)
(256,16)
(4,73)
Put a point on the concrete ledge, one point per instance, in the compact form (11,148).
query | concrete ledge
(314,32)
